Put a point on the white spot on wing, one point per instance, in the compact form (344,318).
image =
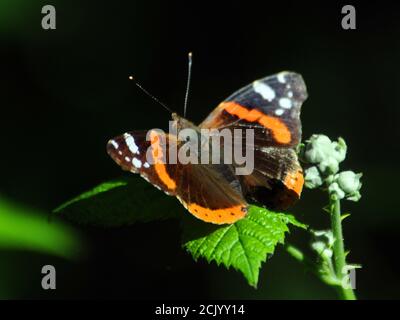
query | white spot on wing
(281,77)
(285,103)
(146,165)
(290,94)
(264,90)
(127,159)
(130,142)
(279,112)
(114,143)
(137,163)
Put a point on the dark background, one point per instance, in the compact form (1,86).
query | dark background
(65,92)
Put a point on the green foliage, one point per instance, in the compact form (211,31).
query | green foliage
(120,202)
(243,245)
(25,229)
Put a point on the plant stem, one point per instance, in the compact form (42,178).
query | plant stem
(339,257)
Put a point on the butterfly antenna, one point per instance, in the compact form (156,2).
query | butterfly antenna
(149,94)
(188,83)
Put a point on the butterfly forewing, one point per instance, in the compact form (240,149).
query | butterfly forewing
(133,152)
(210,192)
(271,106)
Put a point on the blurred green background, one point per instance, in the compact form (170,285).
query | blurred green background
(65,92)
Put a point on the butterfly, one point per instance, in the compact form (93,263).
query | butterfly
(213,192)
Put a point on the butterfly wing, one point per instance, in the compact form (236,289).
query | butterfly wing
(277,179)
(131,152)
(210,192)
(271,107)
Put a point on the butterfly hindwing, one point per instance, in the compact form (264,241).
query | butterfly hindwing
(211,194)
(277,179)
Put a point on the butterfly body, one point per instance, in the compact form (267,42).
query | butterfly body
(212,190)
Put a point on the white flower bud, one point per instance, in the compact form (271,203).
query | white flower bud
(329,166)
(312,178)
(334,189)
(340,149)
(349,182)
(355,196)
(318,246)
(326,235)
(323,243)
(329,179)
(318,148)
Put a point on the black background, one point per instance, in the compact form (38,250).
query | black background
(65,92)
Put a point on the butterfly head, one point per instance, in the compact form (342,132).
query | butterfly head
(182,123)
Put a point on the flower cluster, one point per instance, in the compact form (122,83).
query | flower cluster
(324,157)
(323,243)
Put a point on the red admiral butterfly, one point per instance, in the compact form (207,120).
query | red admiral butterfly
(213,192)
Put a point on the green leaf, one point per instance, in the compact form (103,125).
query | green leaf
(243,245)
(121,202)
(27,229)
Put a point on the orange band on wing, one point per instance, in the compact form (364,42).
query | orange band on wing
(295,181)
(218,216)
(159,165)
(278,128)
